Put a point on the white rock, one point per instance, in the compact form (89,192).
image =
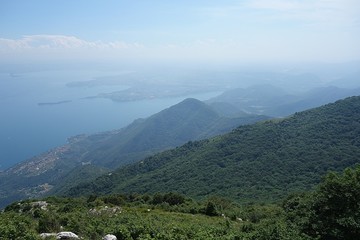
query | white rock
(41,204)
(66,235)
(110,237)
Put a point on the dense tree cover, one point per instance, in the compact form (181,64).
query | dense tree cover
(254,163)
(331,211)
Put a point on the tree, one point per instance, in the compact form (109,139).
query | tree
(332,211)
(48,223)
(174,198)
(336,207)
(210,209)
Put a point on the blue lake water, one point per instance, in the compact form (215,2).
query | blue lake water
(27,129)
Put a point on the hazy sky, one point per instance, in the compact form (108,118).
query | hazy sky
(186,30)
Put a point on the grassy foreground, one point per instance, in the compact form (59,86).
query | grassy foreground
(331,211)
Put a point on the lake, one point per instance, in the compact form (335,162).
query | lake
(28,128)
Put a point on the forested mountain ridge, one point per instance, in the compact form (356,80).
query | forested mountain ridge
(188,120)
(259,162)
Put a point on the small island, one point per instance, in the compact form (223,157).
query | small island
(53,103)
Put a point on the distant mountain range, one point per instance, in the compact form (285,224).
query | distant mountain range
(93,155)
(274,101)
(260,162)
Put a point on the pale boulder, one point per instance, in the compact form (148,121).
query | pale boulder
(110,237)
(66,235)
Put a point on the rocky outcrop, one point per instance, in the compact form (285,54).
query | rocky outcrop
(60,235)
(71,235)
(66,235)
(40,204)
(110,237)
(105,210)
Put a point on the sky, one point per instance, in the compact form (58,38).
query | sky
(224,31)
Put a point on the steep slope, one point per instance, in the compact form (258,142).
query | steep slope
(188,120)
(168,128)
(260,162)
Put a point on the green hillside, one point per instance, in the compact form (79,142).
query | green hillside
(188,120)
(260,162)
